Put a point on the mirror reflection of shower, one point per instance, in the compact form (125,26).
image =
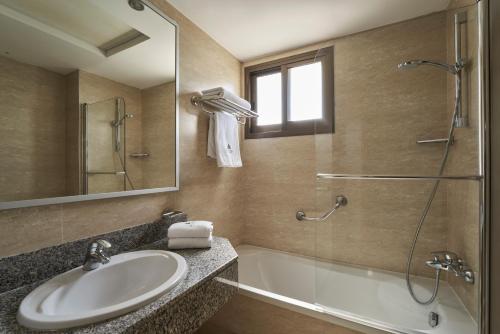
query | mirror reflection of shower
(104,147)
(120,117)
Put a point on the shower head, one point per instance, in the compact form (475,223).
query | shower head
(453,69)
(120,121)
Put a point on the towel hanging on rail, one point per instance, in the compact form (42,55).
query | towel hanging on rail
(223,140)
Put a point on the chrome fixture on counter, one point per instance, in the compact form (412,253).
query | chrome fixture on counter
(96,254)
(169,213)
(340,200)
(449,261)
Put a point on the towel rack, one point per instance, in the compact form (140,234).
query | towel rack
(220,103)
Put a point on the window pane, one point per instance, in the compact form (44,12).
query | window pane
(269,99)
(306,92)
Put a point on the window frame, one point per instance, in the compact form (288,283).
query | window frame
(292,128)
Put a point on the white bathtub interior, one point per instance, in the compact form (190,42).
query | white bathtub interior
(365,296)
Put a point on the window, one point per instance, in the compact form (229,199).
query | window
(293,96)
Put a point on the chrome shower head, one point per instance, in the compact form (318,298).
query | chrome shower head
(120,121)
(409,64)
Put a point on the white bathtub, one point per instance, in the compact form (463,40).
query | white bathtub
(370,301)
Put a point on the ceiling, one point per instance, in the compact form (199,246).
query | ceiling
(250,29)
(63,36)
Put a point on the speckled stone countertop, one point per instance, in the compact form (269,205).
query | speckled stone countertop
(204,264)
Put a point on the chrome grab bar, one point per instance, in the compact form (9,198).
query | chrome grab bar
(340,200)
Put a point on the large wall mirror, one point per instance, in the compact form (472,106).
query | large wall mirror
(88,101)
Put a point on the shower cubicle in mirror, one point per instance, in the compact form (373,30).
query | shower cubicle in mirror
(88,101)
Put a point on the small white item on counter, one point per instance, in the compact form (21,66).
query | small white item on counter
(183,243)
(191,229)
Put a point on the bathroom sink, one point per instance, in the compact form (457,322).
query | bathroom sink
(78,297)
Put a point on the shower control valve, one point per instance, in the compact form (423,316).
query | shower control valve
(449,261)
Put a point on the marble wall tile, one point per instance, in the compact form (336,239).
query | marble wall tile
(158,136)
(32,132)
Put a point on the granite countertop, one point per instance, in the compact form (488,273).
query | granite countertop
(203,265)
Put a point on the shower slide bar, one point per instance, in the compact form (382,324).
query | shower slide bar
(397,177)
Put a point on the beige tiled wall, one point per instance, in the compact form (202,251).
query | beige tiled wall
(158,136)
(380,112)
(32,132)
(207,192)
(74,180)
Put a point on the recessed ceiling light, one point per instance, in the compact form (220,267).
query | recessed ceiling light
(136,5)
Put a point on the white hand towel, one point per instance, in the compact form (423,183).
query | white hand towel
(182,243)
(223,134)
(191,229)
(211,152)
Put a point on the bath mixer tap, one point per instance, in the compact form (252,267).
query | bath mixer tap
(449,261)
(96,254)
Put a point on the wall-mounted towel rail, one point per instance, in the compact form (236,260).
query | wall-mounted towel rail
(398,177)
(222,100)
(139,155)
(105,172)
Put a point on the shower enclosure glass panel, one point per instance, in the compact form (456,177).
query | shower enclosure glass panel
(381,112)
(104,146)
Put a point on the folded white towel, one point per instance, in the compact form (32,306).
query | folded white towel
(191,229)
(223,140)
(183,243)
(228,96)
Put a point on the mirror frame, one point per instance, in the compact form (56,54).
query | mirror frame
(81,198)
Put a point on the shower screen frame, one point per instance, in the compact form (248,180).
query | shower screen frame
(81,198)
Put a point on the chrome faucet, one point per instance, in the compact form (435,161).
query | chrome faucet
(96,254)
(449,261)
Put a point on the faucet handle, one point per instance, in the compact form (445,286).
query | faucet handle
(105,244)
(98,248)
(451,258)
(447,256)
(438,255)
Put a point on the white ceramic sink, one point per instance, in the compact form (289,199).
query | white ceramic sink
(77,297)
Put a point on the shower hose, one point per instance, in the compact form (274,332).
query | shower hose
(429,203)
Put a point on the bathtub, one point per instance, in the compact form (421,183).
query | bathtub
(369,301)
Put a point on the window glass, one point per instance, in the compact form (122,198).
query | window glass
(269,99)
(305,92)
